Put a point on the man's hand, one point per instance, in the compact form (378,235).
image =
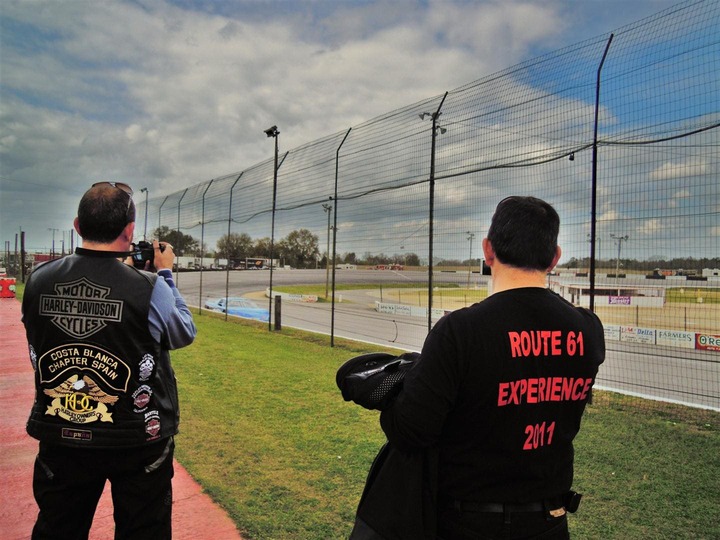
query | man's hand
(164,258)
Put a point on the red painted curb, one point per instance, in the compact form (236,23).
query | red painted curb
(195,515)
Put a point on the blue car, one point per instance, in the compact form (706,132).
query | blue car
(239,307)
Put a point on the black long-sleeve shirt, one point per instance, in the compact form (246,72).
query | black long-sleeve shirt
(500,389)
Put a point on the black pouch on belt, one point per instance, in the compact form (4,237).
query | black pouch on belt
(572,501)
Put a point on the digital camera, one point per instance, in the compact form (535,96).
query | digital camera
(143,252)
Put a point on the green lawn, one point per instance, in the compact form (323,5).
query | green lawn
(708,295)
(266,432)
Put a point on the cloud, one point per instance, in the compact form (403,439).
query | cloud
(679,169)
(650,227)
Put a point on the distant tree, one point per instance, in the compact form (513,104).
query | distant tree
(350,258)
(183,244)
(380,258)
(235,246)
(411,259)
(261,248)
(300,247)
(204,251)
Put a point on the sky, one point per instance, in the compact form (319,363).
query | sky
(168,94)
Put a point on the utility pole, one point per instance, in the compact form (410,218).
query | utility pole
(470,237)
(52,252)
(328,209)
(619,240)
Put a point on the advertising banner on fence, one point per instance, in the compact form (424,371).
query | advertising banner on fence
(612,332)
(409,311)
(708,342)
(631,334)
(673,338)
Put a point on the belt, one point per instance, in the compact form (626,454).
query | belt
(555,509)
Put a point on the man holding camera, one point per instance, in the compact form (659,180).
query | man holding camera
(106,406)
(500,388)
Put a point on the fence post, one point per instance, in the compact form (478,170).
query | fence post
(227,269)
(202,243)
(160,211)
(278,312)
(431,205)
(593,210)
(177,272)
(272,233)
(332,305)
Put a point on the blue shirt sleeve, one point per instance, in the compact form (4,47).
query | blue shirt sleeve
(170,321)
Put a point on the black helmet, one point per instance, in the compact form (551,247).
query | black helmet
(373,380)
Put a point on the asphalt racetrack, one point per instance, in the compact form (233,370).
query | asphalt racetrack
(683,376)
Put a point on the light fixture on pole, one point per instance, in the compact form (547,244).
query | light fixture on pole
(145,190)
(328,209)
(273,132)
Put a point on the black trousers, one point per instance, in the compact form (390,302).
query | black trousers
(456,525)
(69,481)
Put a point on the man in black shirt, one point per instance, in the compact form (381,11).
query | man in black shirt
(500,389)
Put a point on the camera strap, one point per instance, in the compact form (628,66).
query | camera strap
(102,254)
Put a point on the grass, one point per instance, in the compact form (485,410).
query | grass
(689,294)
(319,290)
(266,433)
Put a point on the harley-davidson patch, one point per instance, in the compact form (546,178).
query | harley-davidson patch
(152,425)
(80,308)
(141,398)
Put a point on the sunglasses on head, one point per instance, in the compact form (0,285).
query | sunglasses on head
(122,187)
(119,185)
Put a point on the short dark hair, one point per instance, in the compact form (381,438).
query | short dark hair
(103,213)
(523,233)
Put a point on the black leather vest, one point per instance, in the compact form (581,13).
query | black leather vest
(101,379)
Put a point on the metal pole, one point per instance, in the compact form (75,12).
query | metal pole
(328,209)
(435,117)
(470,237)
(593,218)
(202,246)
(227,269)
(620,240)
(177,271)
(52,251)
(332,309)
(160,211)
(272,132)
(145,190)
(22,256)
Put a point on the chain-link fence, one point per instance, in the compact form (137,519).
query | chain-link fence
(619,133)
